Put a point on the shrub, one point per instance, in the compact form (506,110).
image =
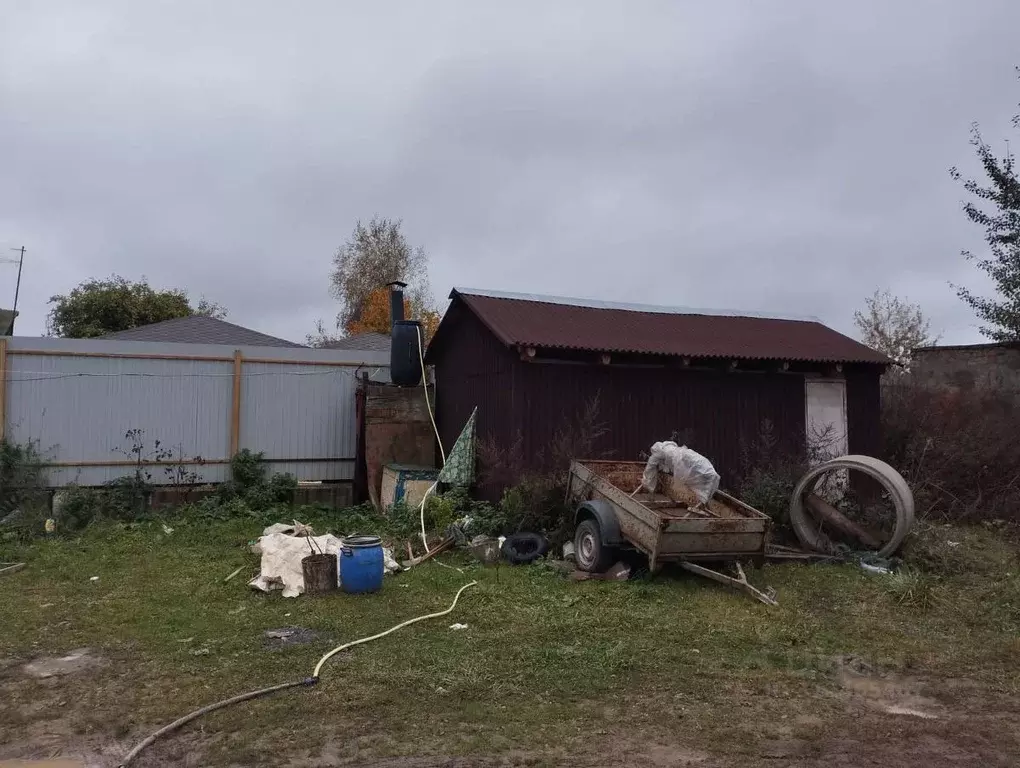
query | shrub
(533,486)
(22,475)
(215,508)
(769,471)
(457,504)
(537,503)
(248,492)
(247,470)
(957,451)
(77,507)
(126,498)
(24,498)
(282,487)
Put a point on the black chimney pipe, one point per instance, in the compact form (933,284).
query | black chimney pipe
(396,302)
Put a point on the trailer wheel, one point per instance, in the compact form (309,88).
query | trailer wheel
(591,552)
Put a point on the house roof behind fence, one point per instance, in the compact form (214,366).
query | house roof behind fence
(574,324)
(374,342)
(200,329)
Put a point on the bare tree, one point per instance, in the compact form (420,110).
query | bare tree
(375,254)
(210,309)
(323,336)
(894,327)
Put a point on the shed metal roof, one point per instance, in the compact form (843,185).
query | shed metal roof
(573,324)
(200,329)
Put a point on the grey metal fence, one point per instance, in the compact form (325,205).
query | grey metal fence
(78,399)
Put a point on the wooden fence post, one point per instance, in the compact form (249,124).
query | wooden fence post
(235,412)
(3,388)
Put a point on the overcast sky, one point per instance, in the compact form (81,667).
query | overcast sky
(781,157)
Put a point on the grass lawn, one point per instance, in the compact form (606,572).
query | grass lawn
(850,668)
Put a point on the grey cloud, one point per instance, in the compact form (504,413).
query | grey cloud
(660,152)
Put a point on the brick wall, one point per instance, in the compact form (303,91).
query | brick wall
(981,367)
(398,430)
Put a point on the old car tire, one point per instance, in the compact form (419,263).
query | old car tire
(591,552)
(524,548)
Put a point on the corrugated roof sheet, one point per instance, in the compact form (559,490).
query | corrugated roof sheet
(370,342)
(548,323)
(199,329)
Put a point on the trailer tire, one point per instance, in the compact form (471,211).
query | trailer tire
(591,552)
(524,548)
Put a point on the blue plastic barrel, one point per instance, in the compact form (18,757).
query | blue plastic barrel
(361,564)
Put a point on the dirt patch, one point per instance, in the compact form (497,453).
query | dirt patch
(78,660)
(283,637)
(669,756)
(891,693)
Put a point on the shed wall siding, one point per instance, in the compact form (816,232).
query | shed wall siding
(714,412)
(475,369)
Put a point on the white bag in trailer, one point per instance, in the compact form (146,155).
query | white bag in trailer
(687,466)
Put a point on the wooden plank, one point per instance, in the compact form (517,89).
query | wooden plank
(328,363)
(443,546)
(736,544)
(197,358)
(716,525)
(235,407)
(120,355)
(175,462)
(3,388)
(6,569)
(741,506)
(658,501)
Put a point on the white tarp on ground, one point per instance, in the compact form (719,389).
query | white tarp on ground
(282,554)
(687,466)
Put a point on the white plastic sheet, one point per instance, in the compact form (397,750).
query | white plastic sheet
(282,555)
(687,466)
(281,560)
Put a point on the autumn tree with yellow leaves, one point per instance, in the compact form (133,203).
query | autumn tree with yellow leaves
(374,316)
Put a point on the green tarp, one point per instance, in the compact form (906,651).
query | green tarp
(459,469)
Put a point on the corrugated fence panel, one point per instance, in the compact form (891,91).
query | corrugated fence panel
(79,409)
(303,415)
(77,399)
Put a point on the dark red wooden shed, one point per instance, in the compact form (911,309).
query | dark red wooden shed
(531,363)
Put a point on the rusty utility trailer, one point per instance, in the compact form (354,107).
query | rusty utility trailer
(666,524)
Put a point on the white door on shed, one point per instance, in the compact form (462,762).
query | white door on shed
(825,417)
